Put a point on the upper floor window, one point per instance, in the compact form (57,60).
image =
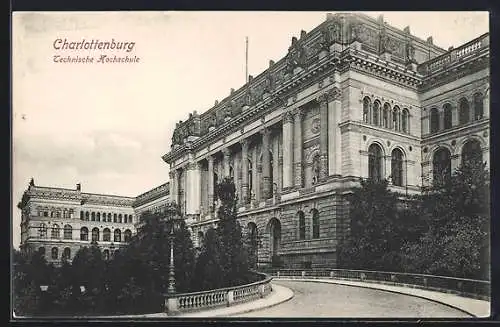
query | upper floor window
(464,114)
(55,231)
(67,253)
(55,253)
(447,116)
(376,113)
(434,120)
(42,231)
(118,235)
(315,169)
(405,121)
(95,234)
(478,106)
(84,234)
(366,109)
(68,232)
(395,118)
(106,235)
(375,162)
(385,115)
(127,235)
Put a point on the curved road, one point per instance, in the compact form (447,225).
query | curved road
(341,301)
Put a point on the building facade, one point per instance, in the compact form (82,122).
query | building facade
(58,221)
(352,98)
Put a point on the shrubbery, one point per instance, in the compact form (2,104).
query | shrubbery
(445,231)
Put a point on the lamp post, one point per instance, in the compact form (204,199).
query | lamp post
(174,221)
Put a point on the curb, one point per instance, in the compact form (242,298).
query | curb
(236,313)
(374,287)
(265,307)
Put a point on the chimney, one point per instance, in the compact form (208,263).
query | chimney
(78,187)
(303,34)
(429,40)
(407,29)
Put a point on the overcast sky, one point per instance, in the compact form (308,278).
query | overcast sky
(106,126)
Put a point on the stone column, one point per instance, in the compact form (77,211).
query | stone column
(244,167)
(266,164)
(334,135)
(210,160)
(173,185)
(297,147)
(227,155)
(323,137)
(192,188)
(287,149)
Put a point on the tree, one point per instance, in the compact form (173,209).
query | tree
(456,241)
(377,221)
(209,271)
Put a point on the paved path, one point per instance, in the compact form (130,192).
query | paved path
(342,301)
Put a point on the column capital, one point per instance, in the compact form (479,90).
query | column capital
(298,113)
(333,94)
(226,152)
(245,143)
(210,158)
(265,131)
(288,117)
(322,98)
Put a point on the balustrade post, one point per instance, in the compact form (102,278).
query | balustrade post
(230,298)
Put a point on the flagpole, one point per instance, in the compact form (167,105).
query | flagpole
(246,60)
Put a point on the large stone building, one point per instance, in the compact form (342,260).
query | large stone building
(354,97)
(59,221)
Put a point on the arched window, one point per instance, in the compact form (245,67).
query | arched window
(65,213)
(55,231)
(98,216)
(109,217)
(92,216)
(376,113)
(366,109)
(67,253)
(54,253)
(71,213)
(302,226)
(397,167)
(405,121)
(95,234)
(447,116)
(41,250)
(118,235)
(395,118)
(87,216)
(68,232)
(84,234)
(125,218)
(42,231)
(478,106)
(315,170)
(106,235)
(315,223)
(130,219)
(82,215)
(374,162)
(127,235)
(441,165)
(120,218)
(115,217)
(472,153)
(434,120)
(385,115)
(106,254)
(464,115)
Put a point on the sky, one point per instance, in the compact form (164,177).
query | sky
(106,126)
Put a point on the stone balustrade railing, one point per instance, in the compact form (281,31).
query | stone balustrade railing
(197,301)
(454,55)
(478,289)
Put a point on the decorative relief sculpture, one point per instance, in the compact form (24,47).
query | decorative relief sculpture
(384,42)
(316,125)
(296,57)
(409,52)
(334,94)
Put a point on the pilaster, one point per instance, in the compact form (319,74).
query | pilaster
(287,149)
(322,99)
(297,150)
(334,135)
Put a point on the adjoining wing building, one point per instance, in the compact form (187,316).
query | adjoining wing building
(353,98)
